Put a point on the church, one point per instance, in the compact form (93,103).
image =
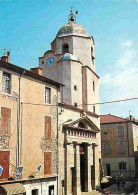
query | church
(71,61)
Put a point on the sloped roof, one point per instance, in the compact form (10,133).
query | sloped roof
(108,118)
(26,72)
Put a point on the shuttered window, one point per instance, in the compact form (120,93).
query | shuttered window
(121,148)
(47,95)
(6,79)
(4,163)
(47,163)
(107,149)
(5,121)
(120,132)
(48,127)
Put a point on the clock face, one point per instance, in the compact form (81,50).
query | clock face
(50,61)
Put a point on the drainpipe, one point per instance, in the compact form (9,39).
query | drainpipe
(18,126)
(128,148)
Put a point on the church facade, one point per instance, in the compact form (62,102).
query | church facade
(71,61)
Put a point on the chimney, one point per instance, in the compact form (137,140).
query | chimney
(36,70)
(130,117)
(6,58)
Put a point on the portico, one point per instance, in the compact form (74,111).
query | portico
(79,159)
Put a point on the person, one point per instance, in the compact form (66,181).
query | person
(123,183)
(118,183)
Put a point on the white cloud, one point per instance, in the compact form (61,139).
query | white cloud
(127,43)
(123,81)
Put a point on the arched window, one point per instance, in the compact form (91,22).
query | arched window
(65,48)
(92,55)
(120,132)
(81,125)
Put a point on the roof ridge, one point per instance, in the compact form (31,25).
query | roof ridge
(114,116)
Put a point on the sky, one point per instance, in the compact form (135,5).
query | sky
(27,27)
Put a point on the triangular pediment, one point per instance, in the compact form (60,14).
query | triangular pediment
(83,122)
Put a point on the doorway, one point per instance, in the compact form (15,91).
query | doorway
(108,170)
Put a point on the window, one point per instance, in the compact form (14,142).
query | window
(93,109)
(107,149)
(65,48)
(4,162)
(105,133)
(48,127)
(75,87)
(51,190)
(93,85)
(75,104)
(35,192)
(92,55)
(81,125)
(121,148)
(120,132)
(42,62)
(6,82)
(47,95)
(122,166)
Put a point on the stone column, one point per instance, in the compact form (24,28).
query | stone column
(90,163)
(85,167)
(93,166)
(67,171)
(77,169)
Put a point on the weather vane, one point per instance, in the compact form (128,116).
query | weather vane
(72,17)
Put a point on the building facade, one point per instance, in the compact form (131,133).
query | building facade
(71,61)
(28,131)
(119,141)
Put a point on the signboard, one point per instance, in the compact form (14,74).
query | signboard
(19,172)
(38,169)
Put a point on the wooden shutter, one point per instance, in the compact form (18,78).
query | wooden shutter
(48,127)
(5,121)
(4,162)
(47,163)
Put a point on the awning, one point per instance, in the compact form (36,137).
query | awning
(14,188)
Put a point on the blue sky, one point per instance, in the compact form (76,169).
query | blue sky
(27,27)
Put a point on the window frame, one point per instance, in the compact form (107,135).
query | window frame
(109,152)
(47,88)
(4,90)
(75,87)
(93,85)
(122,166)
(65,50)
(121,151)
(120,131)
(94,109)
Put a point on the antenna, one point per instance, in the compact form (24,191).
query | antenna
(6,51)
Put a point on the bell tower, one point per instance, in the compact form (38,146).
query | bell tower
(71,61)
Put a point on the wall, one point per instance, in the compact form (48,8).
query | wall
(109,135)
(32,124)
(114,165)
(42,186)
(112,138)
